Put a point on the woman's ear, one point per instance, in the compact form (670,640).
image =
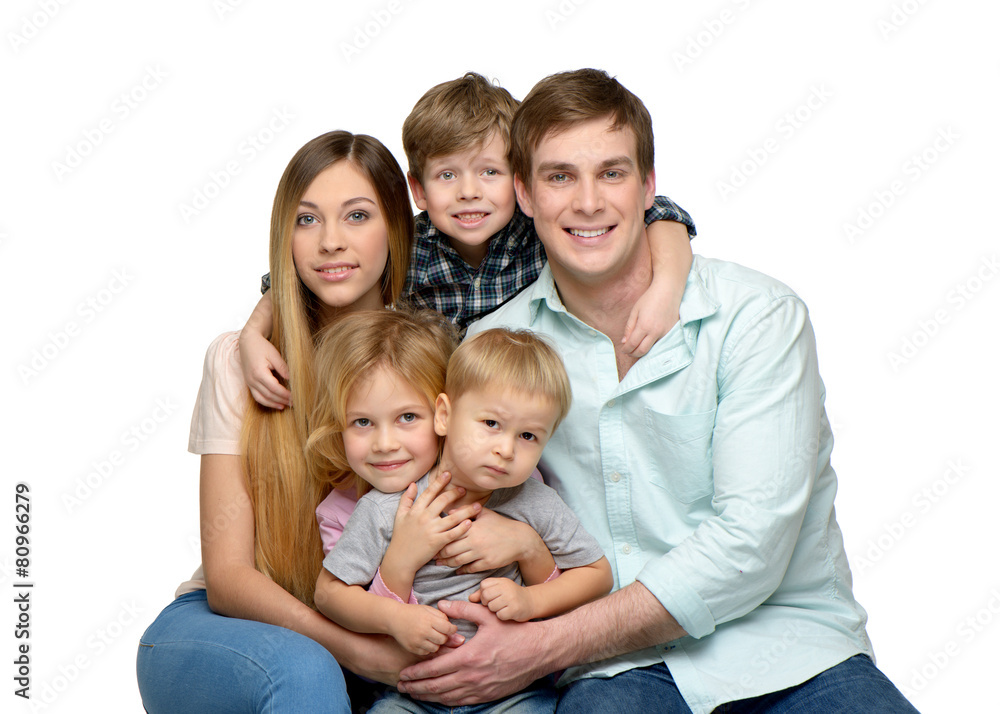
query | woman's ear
(442,407)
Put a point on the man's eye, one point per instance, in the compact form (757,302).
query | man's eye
(613,174)
(559,178)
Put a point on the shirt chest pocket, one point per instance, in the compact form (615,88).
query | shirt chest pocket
(680,453)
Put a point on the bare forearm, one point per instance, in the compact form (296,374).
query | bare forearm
(670,252)
(250,595)
(353,607)
(625,621)
(573,588)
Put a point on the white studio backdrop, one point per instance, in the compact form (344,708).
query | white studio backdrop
(845,148)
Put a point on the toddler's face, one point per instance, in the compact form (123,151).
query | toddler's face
(494,438)
(389,439)
(469,196)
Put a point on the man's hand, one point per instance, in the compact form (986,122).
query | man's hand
(506,598)
(503,658)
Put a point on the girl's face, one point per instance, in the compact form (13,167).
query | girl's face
(340,241)
(389,439)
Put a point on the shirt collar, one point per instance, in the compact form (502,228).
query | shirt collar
(697,302)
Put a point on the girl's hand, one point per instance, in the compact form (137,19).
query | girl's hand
(421,629)
(420,531)
(506,598)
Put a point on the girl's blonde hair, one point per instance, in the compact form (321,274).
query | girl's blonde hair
(286,539)
(415,345)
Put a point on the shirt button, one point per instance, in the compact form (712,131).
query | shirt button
(616,477)
(611,403)
(626,549)
(476,283)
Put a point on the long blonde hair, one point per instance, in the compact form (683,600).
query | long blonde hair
(415,345)
(286,539)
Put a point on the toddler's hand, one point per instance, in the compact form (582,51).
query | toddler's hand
(506,598)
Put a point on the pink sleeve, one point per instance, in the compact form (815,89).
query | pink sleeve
(221,402)
(378,587)
(332,514)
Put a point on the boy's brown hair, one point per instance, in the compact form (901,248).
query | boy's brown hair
(517,360)
(456,116)
(566,98)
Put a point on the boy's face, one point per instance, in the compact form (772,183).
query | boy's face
(469,196)
(389,439)
(494,436)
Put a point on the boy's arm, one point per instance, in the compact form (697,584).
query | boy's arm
(260,359)
(572,588)
(657,309)
(420,629)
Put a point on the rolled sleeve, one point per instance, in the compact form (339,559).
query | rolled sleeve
(763,466)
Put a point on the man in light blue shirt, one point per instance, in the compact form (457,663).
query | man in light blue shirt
(703,468)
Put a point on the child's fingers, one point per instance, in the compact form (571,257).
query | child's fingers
(633,317)
(643,347)
(406,500)
(433,490)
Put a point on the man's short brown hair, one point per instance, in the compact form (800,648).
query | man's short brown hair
(456,116)
(566,98)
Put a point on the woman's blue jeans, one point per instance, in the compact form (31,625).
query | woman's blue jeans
(193,660)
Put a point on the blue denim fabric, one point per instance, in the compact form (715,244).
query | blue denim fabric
(193,660)
(855,686)
(539,698)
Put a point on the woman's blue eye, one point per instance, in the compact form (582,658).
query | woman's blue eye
(306,220)
(357,216)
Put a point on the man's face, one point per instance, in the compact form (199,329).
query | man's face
(588,199)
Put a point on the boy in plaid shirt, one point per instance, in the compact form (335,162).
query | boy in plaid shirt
(473,248)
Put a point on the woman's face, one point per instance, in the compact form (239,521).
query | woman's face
(340,241)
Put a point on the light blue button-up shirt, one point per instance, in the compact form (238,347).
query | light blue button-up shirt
(705,475)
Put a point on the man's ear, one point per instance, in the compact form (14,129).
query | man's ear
(523,197)
(649,186)
(417,189)
(442,408)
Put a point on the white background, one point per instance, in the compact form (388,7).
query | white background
(778,123)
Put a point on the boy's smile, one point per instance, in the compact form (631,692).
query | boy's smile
(469,196)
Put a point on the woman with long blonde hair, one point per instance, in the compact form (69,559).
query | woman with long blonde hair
(242,635)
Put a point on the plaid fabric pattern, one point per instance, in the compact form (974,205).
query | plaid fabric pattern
(440,279)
